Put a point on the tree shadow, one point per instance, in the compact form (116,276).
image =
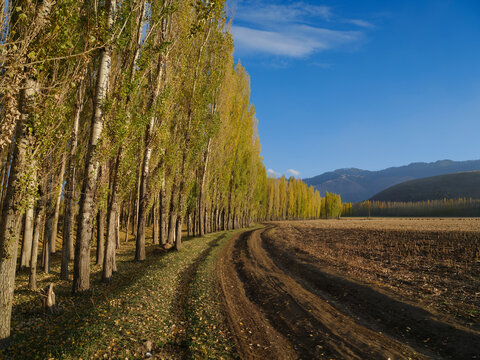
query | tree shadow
(41,334)
(378,311)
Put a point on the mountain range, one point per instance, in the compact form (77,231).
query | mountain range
(358,185)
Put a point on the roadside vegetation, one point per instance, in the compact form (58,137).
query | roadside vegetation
(161,306)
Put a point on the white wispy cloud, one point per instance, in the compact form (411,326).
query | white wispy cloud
(273,172)
(258,13)
(291,30)
(293,172)
(360,23)
(294,41)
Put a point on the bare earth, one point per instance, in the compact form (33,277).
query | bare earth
(355,289)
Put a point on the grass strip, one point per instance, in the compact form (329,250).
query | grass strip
(116,320)
(208,334)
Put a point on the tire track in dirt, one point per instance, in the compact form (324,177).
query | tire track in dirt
(377,310)
(254,337)
(276,314)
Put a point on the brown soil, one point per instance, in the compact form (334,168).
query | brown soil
(310,290)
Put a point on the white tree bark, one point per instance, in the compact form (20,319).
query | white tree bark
(81,270)
(27,239)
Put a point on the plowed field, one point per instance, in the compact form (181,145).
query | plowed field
(355,289)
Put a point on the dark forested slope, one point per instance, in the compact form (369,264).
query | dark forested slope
(450,186)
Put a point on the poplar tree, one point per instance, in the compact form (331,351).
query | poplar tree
(126,114)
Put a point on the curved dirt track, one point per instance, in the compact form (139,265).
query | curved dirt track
(283,306)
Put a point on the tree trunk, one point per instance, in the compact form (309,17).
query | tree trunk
(81,270)
(173,212)
(39,222)
(6,173)
(223,219)
(215,220)
(178,236)
(69,212)
(56,214)
(195,222)
(163,211)
(11,219)
(207,221)
(155,224)
(172,220)
(129,211)
(220,223)
(109,260)
(210,220)
(49,210)
(201,197)
(27,239)
(117,230)
(137,205)
(213,217)
(100,236)
(143,194)
(45,248)
(140,238)
(181,200)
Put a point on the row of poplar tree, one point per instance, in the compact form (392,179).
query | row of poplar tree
(293,199)
(123,113)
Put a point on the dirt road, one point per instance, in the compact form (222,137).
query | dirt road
(283,304)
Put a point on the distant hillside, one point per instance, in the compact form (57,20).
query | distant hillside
(451,186)
(357,185)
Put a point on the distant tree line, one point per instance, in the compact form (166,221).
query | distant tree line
(462,207)
(293,199)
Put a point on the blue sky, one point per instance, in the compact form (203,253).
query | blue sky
(368,84)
